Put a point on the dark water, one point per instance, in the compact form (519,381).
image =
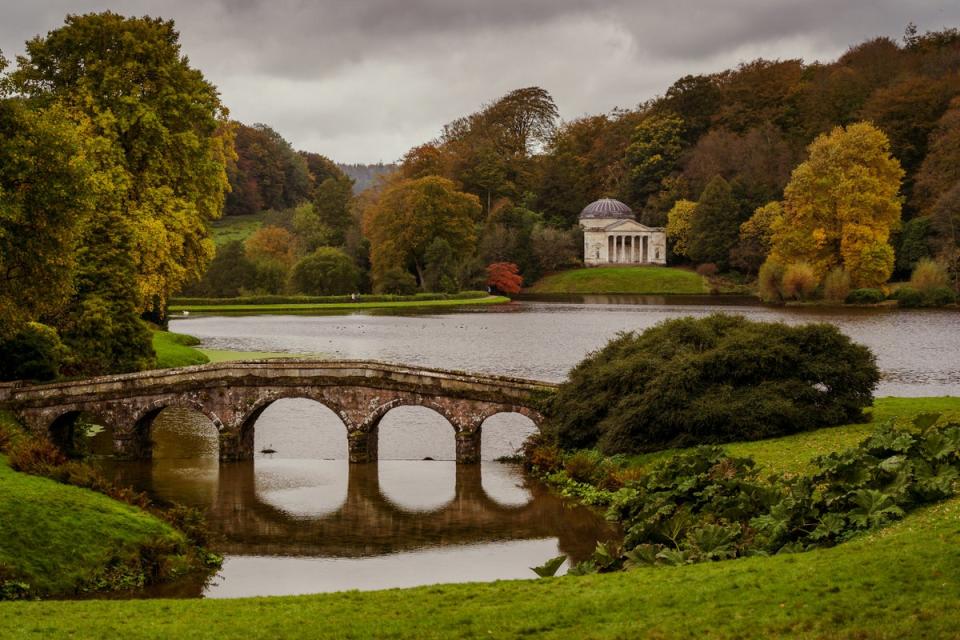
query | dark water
(917,350)
(303,520)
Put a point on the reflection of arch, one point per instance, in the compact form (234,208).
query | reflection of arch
(437,433)
(487,430)
(417,487)
(144,421)
(249,420)
(62,432)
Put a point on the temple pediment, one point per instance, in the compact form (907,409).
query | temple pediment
(629,226)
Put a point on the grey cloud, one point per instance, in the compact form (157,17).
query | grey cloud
(364,80)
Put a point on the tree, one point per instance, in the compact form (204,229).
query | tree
(326,271)
(331,203)
(653,154)
(266,172)
(526,117)
(679,222)
(440,273)
(841,205)
(715,226)
(711,380)
(164,126)
(47,195)
(554,248)
(504,277)
(410,214)
(271,250)
(756,237)
(230,274)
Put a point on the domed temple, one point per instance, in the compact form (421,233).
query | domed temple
(612,235)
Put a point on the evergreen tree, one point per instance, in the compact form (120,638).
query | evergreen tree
(715,227)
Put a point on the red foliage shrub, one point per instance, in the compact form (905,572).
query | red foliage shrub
(504,277)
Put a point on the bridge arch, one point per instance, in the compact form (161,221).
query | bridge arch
(427,419)
(62,432)
(140,437)
(248,421)
(503,435)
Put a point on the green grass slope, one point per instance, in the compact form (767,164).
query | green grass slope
(56,537)
(636,280)
(176,350)
(902,582)
(239,228)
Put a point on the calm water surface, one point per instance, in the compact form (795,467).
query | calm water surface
(302,520)
(918,350)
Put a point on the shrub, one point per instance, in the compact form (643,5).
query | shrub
(708,270)
(799,281)
(928,275)
(939,296)
(326,271)
(504,277)
(716,379)
(768,282)
(865,296)
(908,297)
(34,353)
(836,285)
(396,282)
(584,466)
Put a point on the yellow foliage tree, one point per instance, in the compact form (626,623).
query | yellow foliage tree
(679,221)
(410,214)
(841,205)
(759,228)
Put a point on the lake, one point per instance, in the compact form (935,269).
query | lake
(302,520)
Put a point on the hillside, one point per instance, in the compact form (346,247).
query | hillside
(635,280)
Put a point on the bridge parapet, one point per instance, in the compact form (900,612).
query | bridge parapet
(232,395)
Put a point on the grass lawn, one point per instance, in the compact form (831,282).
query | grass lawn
(637,280)
(240,228)
(176,350)
(792,454)
(56,537)
(332,306)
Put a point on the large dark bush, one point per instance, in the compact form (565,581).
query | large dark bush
(327,271)
(34,353)
(865,296)
(717,379)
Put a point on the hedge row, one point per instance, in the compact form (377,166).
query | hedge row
(277,299)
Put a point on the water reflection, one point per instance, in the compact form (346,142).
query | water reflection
(917,350)
(300,525)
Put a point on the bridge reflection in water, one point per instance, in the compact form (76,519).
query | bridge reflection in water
(292,525)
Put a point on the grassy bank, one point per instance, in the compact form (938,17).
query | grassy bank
(180,350)
(61,540)
(635,280)
(177,350)
(333,306)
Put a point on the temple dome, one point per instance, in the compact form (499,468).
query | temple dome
(606,209)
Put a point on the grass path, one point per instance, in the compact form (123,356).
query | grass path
(335,306)
(636,280)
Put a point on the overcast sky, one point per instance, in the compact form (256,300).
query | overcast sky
(364,80)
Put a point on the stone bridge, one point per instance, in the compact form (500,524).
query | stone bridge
(233,395)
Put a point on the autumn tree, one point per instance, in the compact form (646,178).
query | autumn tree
(410,214)
(679,221)
(327,271)
(653,154)
(841,205)
(47,194)
(163,134)
(715,225)
(555,248)
(331,205)
(272,252)
(266,172)
(756,237)
(504,277)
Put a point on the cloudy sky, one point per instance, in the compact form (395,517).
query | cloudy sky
(364,80)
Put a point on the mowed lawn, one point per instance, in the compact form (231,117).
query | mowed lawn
(637,280)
